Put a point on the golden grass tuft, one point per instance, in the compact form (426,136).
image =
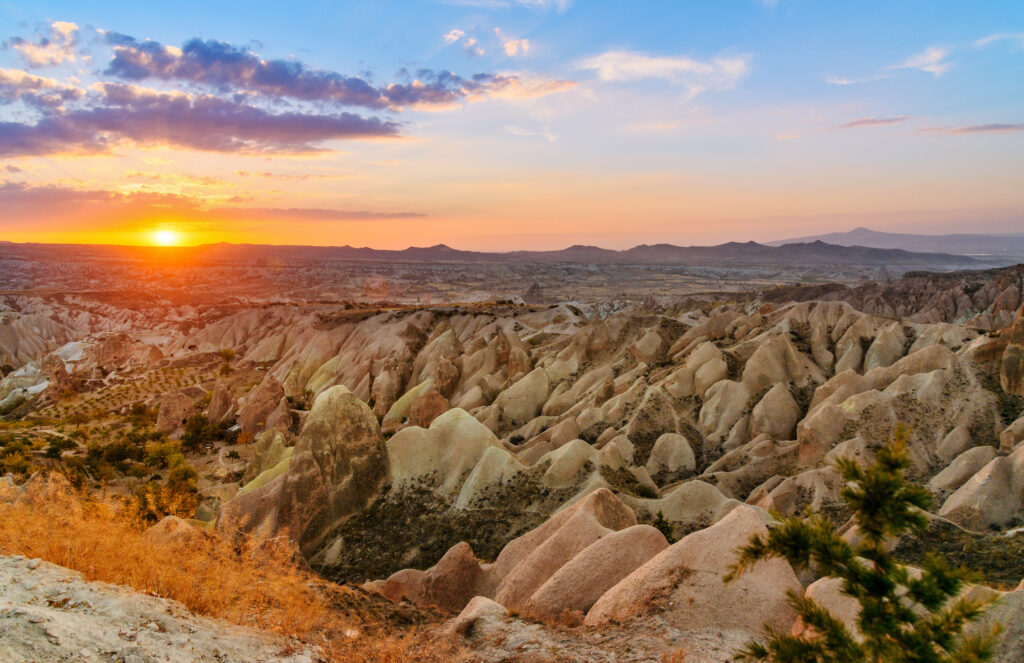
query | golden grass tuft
(251,582)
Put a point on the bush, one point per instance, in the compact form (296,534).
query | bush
(199,431)
(902,619)
(164,453)
(57,446)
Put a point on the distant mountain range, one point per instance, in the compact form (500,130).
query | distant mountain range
(979,245)
(729,254)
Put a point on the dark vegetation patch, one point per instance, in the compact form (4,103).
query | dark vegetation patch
(415,527)
(998,559)
(623,481)
(800,334)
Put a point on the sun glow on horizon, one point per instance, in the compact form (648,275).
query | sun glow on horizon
(166,237)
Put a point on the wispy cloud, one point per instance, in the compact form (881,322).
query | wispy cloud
(21,200)
(843,80)
(874,122)
(977,128)
(696,75)
(56,47)
(932,60)
(1016,38)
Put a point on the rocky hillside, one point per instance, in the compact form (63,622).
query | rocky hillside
(988,299)
(516,459)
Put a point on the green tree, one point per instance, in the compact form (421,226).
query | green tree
(903,617)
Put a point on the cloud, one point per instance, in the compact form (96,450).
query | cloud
(932,59)
(696,75)
(309,214)
(978,128)
(18,85)
(229,69)
(27,201)
(842,80)
(226,67)
(454,35)
(203,122)
(10,168)
(443,89)
(176,179)
(1003,36)
(57,47)
(291,176)
(874,122)
(469,44)
(512,47)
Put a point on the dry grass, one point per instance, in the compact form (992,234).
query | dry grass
(251,582)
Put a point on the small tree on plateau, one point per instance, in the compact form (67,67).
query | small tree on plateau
(902,618)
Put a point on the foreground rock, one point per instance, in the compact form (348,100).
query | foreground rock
(685,581)
(49,614)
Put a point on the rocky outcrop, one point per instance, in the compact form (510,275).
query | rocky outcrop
(339,466)
(52,614)
(685,583)
(264,408)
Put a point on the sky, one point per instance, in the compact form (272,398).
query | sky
(507,124)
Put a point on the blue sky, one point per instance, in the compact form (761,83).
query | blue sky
(509,123)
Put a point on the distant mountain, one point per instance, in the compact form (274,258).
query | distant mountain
(1005,245)
(729,254)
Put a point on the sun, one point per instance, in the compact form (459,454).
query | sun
(165,237)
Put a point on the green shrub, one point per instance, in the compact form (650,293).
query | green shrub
(902,619)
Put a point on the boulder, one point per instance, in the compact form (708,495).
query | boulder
(172,531)
(725,404)
(954,443)
(684,582)
(523,400)
(775,415)
(476,617)
(443,454)
(650,346)
(960,470)
(1011,435)
(453,581)
(426,408)
(671,453)
(602,513)
(886,348)
(401,585)
(992,497)
(709,374)
(593,571)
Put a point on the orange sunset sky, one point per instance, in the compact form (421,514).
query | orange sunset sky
(502,125)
